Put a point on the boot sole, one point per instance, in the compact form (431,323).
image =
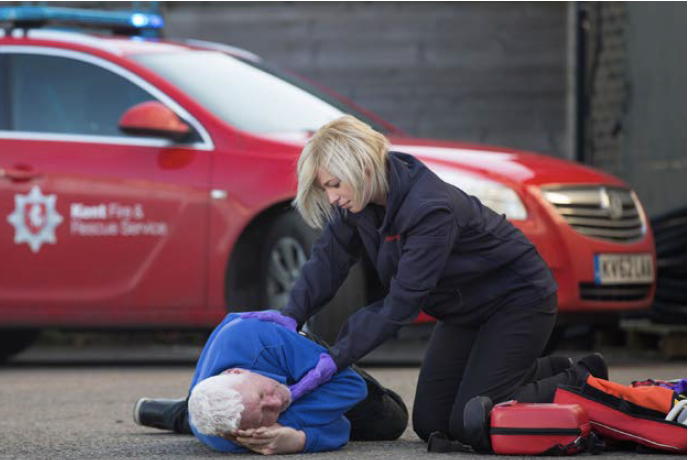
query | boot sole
(137,410)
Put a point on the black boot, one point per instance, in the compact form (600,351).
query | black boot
(164,414)
(596,365)
(547,366)
(476,423)
(381,416)
(558,364)
(439,442)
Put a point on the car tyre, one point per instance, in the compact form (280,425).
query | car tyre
(12,341)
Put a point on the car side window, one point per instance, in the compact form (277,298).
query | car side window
(53,94)
(4,107)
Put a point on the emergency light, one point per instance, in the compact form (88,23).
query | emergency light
(124,22)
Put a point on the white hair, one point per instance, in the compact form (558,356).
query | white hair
(215,407)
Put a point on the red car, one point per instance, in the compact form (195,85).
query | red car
(148,183)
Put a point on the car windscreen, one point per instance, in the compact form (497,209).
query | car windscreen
(248,95)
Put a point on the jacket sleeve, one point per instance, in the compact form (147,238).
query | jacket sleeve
(320,414)
(426,248)
(332,255)
(326,437)
(329,401)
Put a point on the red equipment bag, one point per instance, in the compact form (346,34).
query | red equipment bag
(534,429)
(628,415)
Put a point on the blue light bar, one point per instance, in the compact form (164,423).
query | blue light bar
(26,15)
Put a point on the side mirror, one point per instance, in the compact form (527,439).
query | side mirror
(153,118)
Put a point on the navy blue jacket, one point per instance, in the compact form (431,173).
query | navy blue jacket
(434,248)
(280,354)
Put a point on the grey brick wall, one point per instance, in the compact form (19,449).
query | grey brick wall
(636,91)
(481,72)
(655,140)
(606,82)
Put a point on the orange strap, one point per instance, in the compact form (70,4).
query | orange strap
(653,397)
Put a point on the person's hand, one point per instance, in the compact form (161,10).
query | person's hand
(230,436)
(271,316)
(272,440)
(321,373)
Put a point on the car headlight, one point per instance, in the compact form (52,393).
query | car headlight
(498,197)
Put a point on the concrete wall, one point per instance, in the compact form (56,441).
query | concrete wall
(483,72)
(635,126)
(654,158)
(606,85)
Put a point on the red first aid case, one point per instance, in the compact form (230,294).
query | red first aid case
(534,429)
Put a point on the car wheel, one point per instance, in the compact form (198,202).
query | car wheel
(12,341)
(287,248)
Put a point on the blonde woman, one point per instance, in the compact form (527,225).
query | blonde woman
(435,249)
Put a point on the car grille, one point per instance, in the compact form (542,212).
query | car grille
(606,213)
(617,292)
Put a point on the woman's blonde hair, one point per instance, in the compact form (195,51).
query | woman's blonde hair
(348,149)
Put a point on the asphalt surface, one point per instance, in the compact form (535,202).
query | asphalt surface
(77,404)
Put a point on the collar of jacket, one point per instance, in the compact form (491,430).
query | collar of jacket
(402,171)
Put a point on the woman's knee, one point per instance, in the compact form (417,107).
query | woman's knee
(455,430)
(422,431)
(426,423)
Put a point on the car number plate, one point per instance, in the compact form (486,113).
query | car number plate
(623,268)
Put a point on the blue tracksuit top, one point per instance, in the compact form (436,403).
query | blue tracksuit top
(276,352)
(434,247)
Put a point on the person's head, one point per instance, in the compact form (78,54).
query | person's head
(236,399)
(343,164)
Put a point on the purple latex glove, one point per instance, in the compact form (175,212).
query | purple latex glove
(321,373)
(678,385)
(271,316)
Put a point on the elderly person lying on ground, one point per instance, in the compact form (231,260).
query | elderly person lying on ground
(240,397)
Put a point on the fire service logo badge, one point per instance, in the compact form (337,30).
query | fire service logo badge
(34,219)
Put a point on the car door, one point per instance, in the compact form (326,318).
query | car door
(96,227)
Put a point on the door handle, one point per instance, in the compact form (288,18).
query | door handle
(19,174)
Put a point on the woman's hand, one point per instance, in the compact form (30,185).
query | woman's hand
(321,373)
(271,316)
(272,440)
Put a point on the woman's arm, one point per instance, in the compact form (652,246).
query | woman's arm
(332,255)
(424,255)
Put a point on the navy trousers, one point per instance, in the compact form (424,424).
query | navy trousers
(498,358)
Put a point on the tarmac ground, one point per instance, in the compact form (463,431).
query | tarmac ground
(77,404)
